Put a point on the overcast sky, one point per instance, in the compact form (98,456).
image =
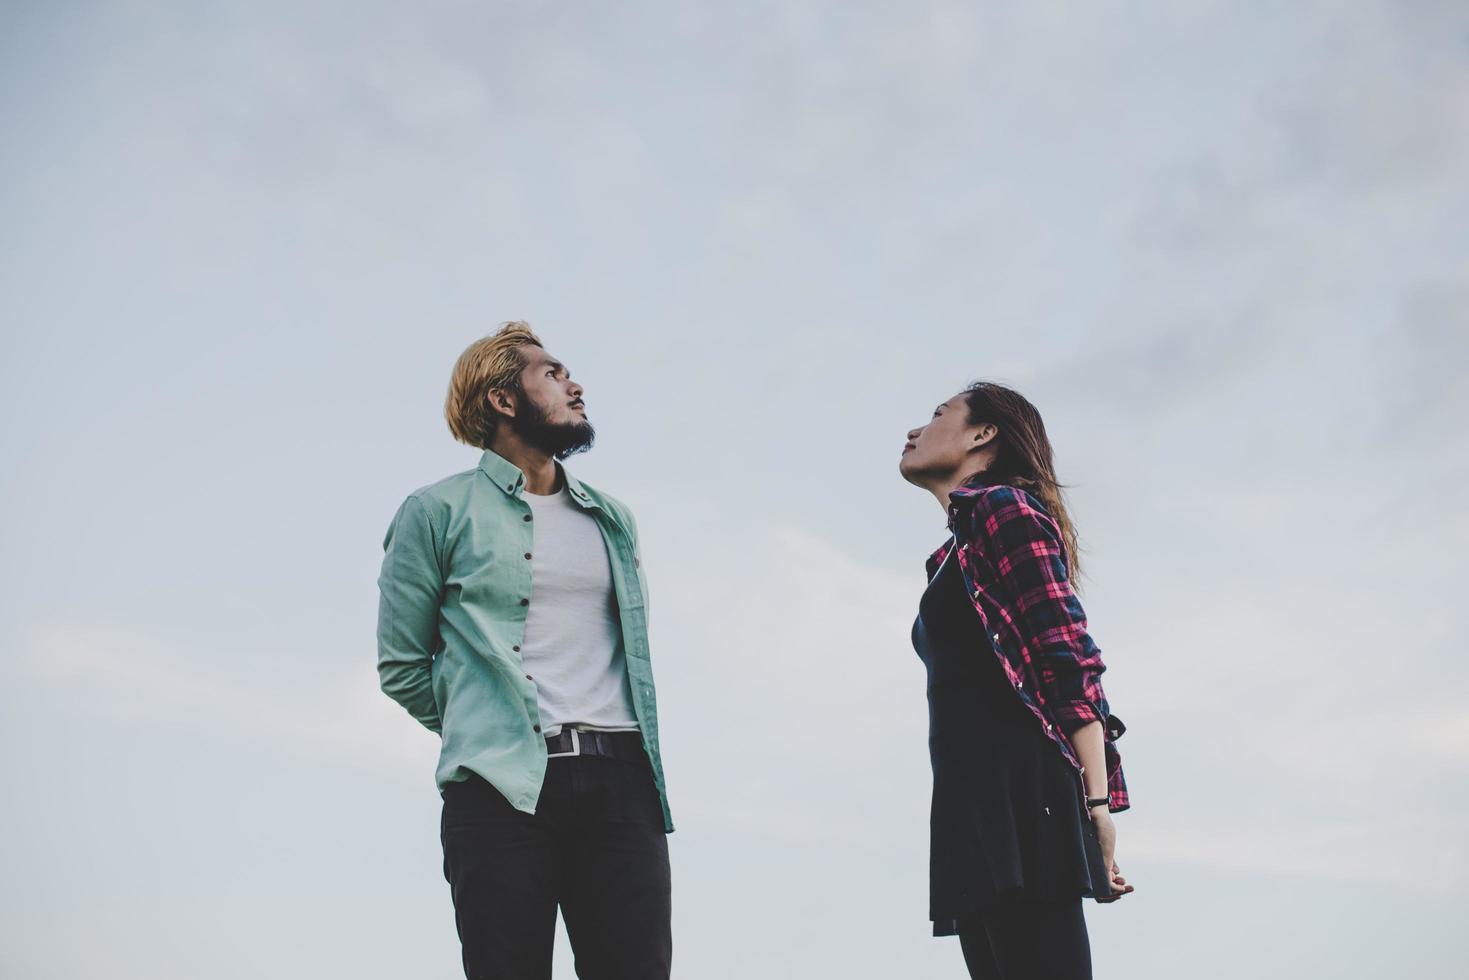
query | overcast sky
(1221,246)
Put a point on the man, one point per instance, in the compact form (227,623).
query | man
(513,622)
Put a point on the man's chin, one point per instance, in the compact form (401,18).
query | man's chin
(556,439)
(577,437)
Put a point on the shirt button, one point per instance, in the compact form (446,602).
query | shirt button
(527,556)
(535,728)
(526,517)
(996,638)
(525,602)
(529,677)
(516,649)
(511,488)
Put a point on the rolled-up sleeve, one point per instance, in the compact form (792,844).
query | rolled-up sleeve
(1025,548)
(410,588)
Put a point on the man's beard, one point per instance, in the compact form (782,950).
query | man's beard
(558,439)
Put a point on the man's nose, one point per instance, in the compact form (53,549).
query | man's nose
(575,390)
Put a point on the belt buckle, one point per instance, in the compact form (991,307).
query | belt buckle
(575,746)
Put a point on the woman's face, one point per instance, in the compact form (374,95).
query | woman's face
(940,447)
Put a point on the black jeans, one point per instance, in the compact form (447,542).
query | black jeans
(595,846)
(1028,941)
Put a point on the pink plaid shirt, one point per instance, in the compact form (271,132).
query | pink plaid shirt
(1011,556)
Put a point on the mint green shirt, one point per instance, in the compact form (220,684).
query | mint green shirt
(454,591)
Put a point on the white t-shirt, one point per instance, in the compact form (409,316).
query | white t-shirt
(572,648)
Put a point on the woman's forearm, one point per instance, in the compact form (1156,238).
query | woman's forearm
(1087,742)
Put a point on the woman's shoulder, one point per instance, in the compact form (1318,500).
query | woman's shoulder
(1002,519)
(996,502)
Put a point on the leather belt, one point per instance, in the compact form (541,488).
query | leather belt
(615,745)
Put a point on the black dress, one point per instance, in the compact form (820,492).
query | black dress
(1008,821)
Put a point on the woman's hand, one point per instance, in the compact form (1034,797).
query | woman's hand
(1107,835)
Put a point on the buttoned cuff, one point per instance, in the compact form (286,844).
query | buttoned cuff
(1071,715)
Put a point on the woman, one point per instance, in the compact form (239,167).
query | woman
(1025,775)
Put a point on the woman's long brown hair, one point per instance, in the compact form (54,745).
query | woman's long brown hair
(1024,457)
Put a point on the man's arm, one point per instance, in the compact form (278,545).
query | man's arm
(410,587)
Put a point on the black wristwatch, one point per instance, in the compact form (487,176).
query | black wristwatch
(1099,801)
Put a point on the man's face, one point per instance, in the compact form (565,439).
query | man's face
(552,415)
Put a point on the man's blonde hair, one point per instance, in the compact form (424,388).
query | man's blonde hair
(490,362)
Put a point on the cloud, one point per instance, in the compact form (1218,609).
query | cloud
(131,675)
(1409,853)
(786,684)
(1222,251)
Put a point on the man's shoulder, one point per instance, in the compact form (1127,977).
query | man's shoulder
(608,502)
(448,487)
(447,494)
(605,499)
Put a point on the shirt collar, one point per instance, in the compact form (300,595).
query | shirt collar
(963,495)
(974,485)
(511,479)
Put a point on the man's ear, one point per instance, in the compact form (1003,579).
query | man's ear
(502,401)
